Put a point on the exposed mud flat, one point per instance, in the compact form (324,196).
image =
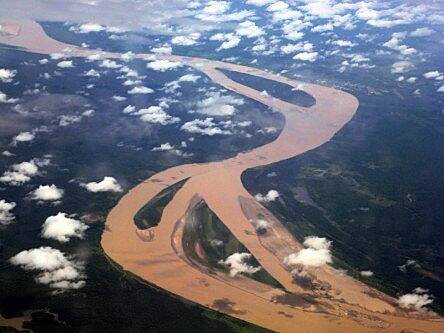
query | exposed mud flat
(156,254)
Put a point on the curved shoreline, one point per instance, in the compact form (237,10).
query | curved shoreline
(219,184)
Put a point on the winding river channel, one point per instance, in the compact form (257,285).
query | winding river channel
(156,254)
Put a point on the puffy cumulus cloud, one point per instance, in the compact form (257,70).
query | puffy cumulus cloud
(217,11)
(6,216)
(316,254)
(261,225)
(218,105)
(57,270)
(140,90)
(163,147)
(155,115)
(63,228)
(163,65)
(292,48)
(165,49)
(66,120)
(174,85)
(204,127)
(343,43)
(110,64)
(4,99)
(366,273)
(108,184)
(167,147)
(418,299)
(229,40)
(271,195)
(433,75)
(47,193)
(249,29)
(395,44)
(129,109)
(402,66)
(7,75)
(259,3)
(188,40)
(21,173)
(317,243)
(90,27)
(422,32)
(238,264)
(65,64)
(277,6)
(306,56)
(440,89)
(323,28)
(292,29)
(87,28)
(23,137)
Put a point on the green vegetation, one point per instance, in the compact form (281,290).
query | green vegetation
(150,214)
(217,242)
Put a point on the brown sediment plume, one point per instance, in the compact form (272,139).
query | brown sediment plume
(339,303)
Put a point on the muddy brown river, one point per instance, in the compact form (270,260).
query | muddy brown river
(156,254)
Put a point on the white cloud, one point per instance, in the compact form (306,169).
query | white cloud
(129,109)
(189,40)
(47,193)
(4,99)
(440,89)
(163,147)
(90,27)
(402,66)
(306,56)
(422,32)
(56,269)
(108,184)
(229,40)
(291,48)
(140,90)
(128,56)
(23,137)
(166,49)
(237,263)
(6,75)
(20,173)
(316,255)
(155,115)
(277,6)
(65,64)
(271,195)
(110,64)
(204,127)
(432,75)
(343,43)
(91,73)
(366,273)
(416,300)
(62,228)
(216,7)
(218,105)
(323,28)
(163,65)
(249,29)
(317,243)
(6,217)
(259,3)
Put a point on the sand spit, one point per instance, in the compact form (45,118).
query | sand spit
(337,303)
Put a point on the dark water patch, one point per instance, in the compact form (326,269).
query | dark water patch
(151,214)
(273,88)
